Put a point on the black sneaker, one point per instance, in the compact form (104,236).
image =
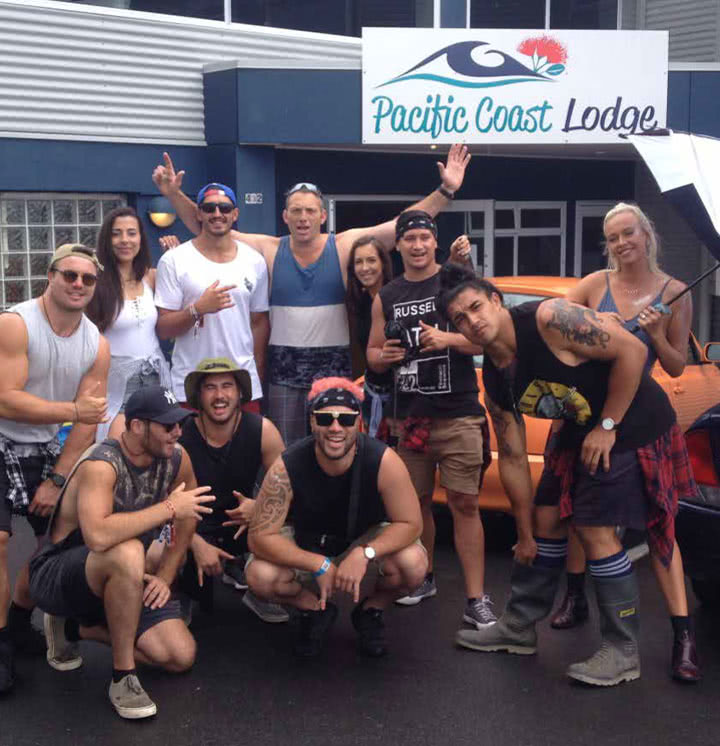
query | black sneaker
(7,669)
(311,628)
(369,625)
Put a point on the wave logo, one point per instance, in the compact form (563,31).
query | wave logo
(491,67)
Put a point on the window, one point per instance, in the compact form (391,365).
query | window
(33,225)
(583,14)
(538,14)
(212,10)
(507,13)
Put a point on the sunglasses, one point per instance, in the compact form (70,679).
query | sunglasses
(169,427)
(325,419)
(303,186)
(70,276)
(210,207)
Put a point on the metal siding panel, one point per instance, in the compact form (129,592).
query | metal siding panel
(124,76)
(693,25)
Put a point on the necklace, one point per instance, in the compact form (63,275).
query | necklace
(222,452)
(55,331)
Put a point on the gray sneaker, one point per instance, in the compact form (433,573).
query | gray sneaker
(499,637)
(426,589)
(61,654)
(478,612)
(266,610)
(234,575)
(130,699)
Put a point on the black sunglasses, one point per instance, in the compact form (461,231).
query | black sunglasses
(168,427)
(325,419)
(70,276)
(224,207)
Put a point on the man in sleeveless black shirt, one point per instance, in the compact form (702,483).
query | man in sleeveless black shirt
(436,386)
(227,447)
(349,502)
(96,570)
(559,360)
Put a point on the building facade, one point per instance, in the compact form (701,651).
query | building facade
(262,94)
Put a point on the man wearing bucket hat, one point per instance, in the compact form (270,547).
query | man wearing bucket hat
(228,447)
(212,296)
(55,367)
(95,578)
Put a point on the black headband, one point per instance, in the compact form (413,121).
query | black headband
(413,219)
(338,396)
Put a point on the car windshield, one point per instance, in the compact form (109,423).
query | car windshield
(510,300)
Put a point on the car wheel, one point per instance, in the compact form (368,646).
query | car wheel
(707,592)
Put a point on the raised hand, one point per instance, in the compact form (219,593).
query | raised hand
(453,172)
(91,409)
(460,250)
(166,179)
(168,242)
(432,339)
(190,503)
(215,298)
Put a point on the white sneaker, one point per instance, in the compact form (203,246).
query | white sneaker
(426,589)
(130,700)
(62,654)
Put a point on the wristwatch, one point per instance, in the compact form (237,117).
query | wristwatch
(609,424)
(57,479)
(369,552)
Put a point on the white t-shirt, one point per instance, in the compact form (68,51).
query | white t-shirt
(183,275)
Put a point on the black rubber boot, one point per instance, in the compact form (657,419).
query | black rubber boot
(617,658)
(532,594)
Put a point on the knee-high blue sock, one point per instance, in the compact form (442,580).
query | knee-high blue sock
(614,566)
(551,553)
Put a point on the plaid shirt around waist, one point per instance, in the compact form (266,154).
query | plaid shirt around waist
(12,453)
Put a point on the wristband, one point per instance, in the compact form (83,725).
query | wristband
(323,568)
(446,192)
(196,318)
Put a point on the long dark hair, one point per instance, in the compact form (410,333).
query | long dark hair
(454,279)
(107,302)
(355,289)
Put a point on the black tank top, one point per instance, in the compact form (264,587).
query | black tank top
(431,384)
(320,502)
(540,385)
(233,466)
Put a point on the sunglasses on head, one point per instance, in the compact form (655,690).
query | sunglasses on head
(70,276)
(303,186)
(225,207)
(325,419)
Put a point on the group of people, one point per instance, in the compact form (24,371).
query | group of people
(254,459)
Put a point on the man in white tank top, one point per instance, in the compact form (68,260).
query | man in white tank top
(55,366)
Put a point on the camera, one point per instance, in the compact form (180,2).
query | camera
(396,330)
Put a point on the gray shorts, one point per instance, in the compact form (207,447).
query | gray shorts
(59,586)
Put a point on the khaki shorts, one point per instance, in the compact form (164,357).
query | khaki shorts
(305,576)
(455,445)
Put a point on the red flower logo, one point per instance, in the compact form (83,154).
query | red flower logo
(548,55)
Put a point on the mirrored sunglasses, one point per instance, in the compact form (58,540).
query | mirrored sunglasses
(225,207)
(303,186)
(325,419)
(70,276)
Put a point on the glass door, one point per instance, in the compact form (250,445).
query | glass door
(589,239)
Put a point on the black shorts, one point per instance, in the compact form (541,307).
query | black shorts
(58,585)
(606,498)
(31,467)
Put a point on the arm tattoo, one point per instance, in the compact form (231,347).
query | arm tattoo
(273,500)
(578,324)
(500,425)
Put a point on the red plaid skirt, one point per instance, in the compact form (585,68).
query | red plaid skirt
(665,465)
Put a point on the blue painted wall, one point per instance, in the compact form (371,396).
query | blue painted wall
(693,102)
(453,13)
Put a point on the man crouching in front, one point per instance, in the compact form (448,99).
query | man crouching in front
(348,502)
(95,578)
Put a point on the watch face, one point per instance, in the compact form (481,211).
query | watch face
(57,479)
(608,423)
(369,552)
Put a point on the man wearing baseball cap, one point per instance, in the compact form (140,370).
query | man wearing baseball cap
(101,576)
(212,296)
(228,448)
(55,367)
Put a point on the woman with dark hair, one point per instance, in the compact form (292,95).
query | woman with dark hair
(124,310)
(368,270)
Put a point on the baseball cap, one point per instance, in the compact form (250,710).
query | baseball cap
(220,189)
(157,404)
(209,366)
(75,249)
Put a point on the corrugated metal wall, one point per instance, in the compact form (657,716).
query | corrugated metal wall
(694,27)
(98,74)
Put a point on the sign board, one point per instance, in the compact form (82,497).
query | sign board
(502,86)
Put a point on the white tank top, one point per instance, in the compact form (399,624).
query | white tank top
(56,365)
(132,334)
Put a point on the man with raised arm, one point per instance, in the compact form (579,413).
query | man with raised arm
(95,578)
(619,459)
(309,335)
(349,504)
(55,367)
(211,294)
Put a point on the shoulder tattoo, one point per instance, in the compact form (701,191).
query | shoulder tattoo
(578,324)
(273,499)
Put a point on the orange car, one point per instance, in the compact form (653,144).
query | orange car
(695,391)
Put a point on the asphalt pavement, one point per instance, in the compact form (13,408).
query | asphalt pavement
(247,688)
